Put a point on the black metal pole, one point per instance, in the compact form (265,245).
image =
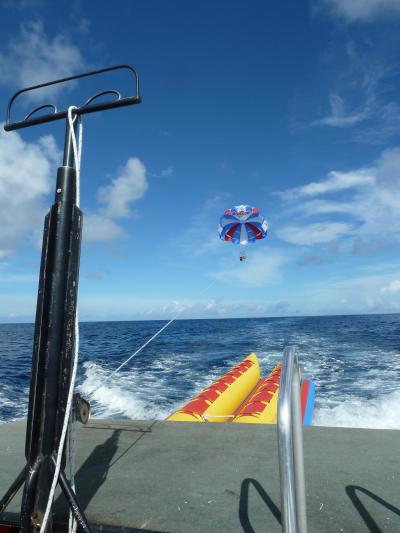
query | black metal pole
(74,504)
(12,491)
(54,338)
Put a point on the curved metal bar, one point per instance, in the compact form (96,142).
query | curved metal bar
(290,446)
(111,91)
(12,491)
(28,495)
(39,108)
(62,114)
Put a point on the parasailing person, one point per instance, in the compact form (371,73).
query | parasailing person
(241,225)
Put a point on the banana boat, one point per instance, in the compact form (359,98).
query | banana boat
(262,405)
(240,396)
(219,401)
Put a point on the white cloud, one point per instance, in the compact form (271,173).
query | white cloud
(339,117)
(359,99)
(385,125)
(25,178)
(167,171)
(117,199)
(27,172)
(348,292)
(129,186)
(100,228)
(261,268)
(324,207)
(336,181)
(31,57)
(211,305)
(23,4)
(318,233)
(394,286)
(124,306)
(369,211)
(353,10)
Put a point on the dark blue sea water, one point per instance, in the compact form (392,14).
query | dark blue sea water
(355,361)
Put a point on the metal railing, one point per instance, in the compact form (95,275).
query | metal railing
(290,446)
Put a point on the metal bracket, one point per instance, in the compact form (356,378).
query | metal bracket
(88,107)
(82,409)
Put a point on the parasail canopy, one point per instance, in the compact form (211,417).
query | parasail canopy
(242,224)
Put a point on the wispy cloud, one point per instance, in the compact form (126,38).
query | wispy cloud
(200,235)
(23,4)
(385,125)
(340,117)
(322,255)
(123,306)
(32,57)
(369,211)
(334,182)
(362,10)
(357,98)
(260,269)
(355,292)
(318,233)
(394,286)
(165,172)
(360,97)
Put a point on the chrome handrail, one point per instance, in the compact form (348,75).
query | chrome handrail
(290,446)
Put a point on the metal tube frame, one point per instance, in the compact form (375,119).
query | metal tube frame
(290,446)
(88,107)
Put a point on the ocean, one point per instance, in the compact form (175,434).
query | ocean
(354,360)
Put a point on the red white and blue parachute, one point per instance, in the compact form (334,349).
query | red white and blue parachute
(242,224)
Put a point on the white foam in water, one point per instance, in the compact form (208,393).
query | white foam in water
(115,396)
(19,410)
(132,395)
(382,413)
(136,396)
(3,403)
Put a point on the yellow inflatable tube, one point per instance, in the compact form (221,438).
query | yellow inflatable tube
(220,400)
(262,405)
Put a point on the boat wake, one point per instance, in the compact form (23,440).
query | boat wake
(136,395)
(11,408)
(377,413)
(115,397)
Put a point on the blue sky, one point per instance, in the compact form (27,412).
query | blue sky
(290,106)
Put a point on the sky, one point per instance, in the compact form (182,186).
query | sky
(292,106)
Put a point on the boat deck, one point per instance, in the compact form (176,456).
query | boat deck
(203,478)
